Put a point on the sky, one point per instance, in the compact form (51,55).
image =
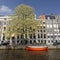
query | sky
(41,6)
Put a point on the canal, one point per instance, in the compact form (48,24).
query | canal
(29,55)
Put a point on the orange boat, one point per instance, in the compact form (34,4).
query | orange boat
(37,48)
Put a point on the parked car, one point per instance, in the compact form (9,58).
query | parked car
(56,43)
(5,43)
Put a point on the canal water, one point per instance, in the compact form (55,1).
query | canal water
(29,55)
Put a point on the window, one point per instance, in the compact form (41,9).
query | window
(5,18)
(34,36)
(30,28)
(25,35)
(57,25)
(43,26)
(47,26)
(34,41)
(41,30)
(17,36)
(51,36)
(44,35)
(3,36)
(38,27)
(41,36)
(59,35)
(38,36)
(44,41)
(54,25)
(17,41)
(22,36)
(41,41)
(13,38)
(52,41)
(50,25)
(33,29)
(48,41)
(55,30)
(4,28)
(44,30)
(30,41)
(38,30)
(30,35)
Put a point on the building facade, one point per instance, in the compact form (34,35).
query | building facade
(48,31)
(4,22)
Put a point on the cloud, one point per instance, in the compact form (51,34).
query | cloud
(5,10)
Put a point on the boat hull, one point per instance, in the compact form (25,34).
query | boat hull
(37,48)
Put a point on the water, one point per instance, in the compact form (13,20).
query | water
(29,55)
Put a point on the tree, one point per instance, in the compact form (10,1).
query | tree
(24,21)
(24,11)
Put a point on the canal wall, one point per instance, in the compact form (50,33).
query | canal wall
(24,47)
(13,47)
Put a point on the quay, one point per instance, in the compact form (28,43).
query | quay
(24,46)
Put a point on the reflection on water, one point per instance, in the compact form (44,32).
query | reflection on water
(29,55)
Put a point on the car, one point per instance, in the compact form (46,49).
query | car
(56,43)
(5,43)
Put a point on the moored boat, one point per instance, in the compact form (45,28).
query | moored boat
(37,48)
